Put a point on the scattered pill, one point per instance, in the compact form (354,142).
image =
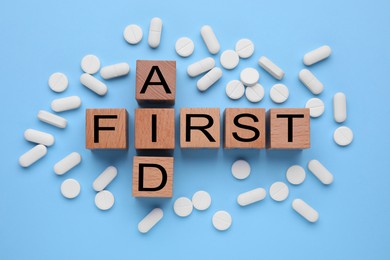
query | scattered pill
(339,107)
(295,174)
(210,39)
(67,163)
(229,59)
(320,172)
(105,178)
(200,67)
(39,137)
(278,191)
(241,169)
(251,196)
(255,93)
(316,107)
(245,48)
(183,207)
(201,200)
(184,47)
(70,188)
(279,93)
(90,64)
(343,136)
(155,30)
(133,34)
(209,79)
(52,119)
(305,210)
(93,84)
(104,200)
(222,220)
(58,82)
(65,104)
(317,55)
(235,89)
(310,81)
(249,77)
(115,70)
(271,68)
(32,155)
(150,220)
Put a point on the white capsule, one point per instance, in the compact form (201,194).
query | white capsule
(67,163)
(255,93)
(93,84)
(320,172)
(90,64)
(200,67)
(155,30)
(222,220)
(235,89)
(70,188)
(209,79)
(133,34)
(184,47)
(251,196)
(39,137)
(295,174)
(104,200)
(52,119)
(310,81)
(210,39)
(317,55)
(245,48)
(279,191)
(249,77)
(115,70)
(271,68)
(201,200)
(343,136)
(32,155)
(105,178)
(58,82)
(305,210)
(229,59)
(183,207)
(316,107)
(150,220)
(279,93)
(339,107)
(65,104)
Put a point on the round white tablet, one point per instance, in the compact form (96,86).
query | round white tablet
(229,59)
(90,64)
(184,47)
(201,200)
(235,89)
(316,106)
(133,34)
(295,174)
(279,93)
(249,76)
(70,188)
(255,93)
(58,82)
(104,200)
(278,191)
(241,169)
(183,207)
(343,136)
(222,220)
(245,48)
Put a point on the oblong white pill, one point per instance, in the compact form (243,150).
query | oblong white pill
(67,163)
(249,77)
(184,47)
(105,178)
(201,200)
(271,68)
(235,89)
(52,119)
(90,64)
(241,169)
(222,220)
(279,93)
(200,67)
(183,207)
(317,55)
(251,196)
(65,104)
(320,172)
(255,93)
(150,220)
(133,34)
(295,174)
(339,107)
(93,84)
(210,39)
(305,210)
(70,188)
(310,81)
(209,79)
(58,82)
(32,155)
(316,106)
(104,200)
(343,136)
(279,191)
(155,30)
(245,48)
(115,70)
(39,137)
(229,59)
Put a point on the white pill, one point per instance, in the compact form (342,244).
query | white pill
(67,163)
(52,119)
(39,137)
(310,81)
(255,93)
(210,39)
(32,155)
(235,89)
(184,46)
(65,104)
(222,220)
(316,107)
(249,76)
(305,210)
(317,55)
(279,93)
(245,48)
(105,178)
(58,82)
(104,200)
(241,169)
(339,107)
(115,70)
(150,220)
(155,30)
(183,207)
(343,136)
(90,64)
(295,174)
(251,196)
(133,34)
(201,200)
(209,79)
(200,67)
(229,59)
(320,172)
(70,188)
(278,191)
(271,68)
(93,84)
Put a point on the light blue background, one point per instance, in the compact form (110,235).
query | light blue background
(42,37)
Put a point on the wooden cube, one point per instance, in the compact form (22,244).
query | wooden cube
(154,128)
(155,81)
(152,176)
(289,128)
(244,128)
(106,129)
(199,128)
